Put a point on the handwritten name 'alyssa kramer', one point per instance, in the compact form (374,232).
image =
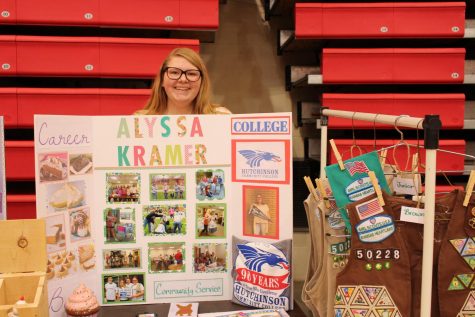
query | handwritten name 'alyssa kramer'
(168,154)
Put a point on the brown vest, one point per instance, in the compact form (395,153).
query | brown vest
(386,257)
(456,265)
(329,253)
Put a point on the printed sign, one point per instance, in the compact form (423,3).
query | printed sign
(145,206)
(375,229)
(261,125)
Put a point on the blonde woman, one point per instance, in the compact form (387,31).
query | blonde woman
(182,87)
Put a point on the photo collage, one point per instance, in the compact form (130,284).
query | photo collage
(148,219)
(64,179)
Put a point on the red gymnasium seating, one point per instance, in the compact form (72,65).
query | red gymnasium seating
(20,104)
(168,14)
(366,20)
(393,65)
(445,161)
(19,160)
(21,207)
(450,107)
(85,56)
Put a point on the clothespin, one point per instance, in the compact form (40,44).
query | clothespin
(322,191)
(377,189)
(383,157)
(311,188)
(337,155)
(469,188)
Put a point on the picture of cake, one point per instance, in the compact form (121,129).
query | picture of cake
(53,166)
(82,302)
(87,260)
(80,224)
(80,164)
(55,236)
(66,196)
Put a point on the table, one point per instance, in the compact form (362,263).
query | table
(162,309)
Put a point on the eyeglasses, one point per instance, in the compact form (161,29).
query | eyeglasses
(190,74)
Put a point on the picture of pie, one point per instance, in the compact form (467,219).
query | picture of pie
(86,252)
(53,166)
(80,164)
(67,196)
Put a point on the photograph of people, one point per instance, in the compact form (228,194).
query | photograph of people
(260,212)
(119,225)
(210,184)
(166,257)
(138,290)
(182,86)
(209,257)
(121,288)
(164,220)
(167,187)
(210,220)
(123,188)
(121,258)
(110,290)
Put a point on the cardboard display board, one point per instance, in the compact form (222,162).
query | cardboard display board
(142,209)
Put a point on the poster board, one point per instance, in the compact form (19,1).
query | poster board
(157,199)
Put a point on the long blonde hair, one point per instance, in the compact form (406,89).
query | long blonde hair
(157,103)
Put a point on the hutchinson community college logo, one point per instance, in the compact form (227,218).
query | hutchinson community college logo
(254,158)
(261,161)
(262,276)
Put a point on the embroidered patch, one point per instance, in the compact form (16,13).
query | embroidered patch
(339,298)
(356,167)
(469,306)
(368,209)
(359,189)
(372,293)
(335,221)
(340,247)
(455,285)
(466,249)
(375,229)
(359,299)
(466,279)
(469,248)
(365,301)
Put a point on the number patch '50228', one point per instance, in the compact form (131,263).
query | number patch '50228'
(377,254)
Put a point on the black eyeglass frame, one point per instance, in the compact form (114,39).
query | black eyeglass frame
(165,70)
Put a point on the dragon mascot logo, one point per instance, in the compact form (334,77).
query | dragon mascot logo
(262,276)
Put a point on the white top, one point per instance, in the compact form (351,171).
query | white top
(111,290)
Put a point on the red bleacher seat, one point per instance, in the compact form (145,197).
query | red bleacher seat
(21,206)
(8,11)
(167,14)
(450,108)
(9,108)
(58,12)
(359,20)
(19,160)
(85,56)
(393,65)
(445,161)
(19,105)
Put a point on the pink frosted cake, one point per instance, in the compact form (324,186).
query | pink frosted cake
(82,302)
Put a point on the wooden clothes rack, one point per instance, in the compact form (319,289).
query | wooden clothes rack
(431,125)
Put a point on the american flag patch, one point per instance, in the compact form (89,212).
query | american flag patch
(356,167)
(368,209)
